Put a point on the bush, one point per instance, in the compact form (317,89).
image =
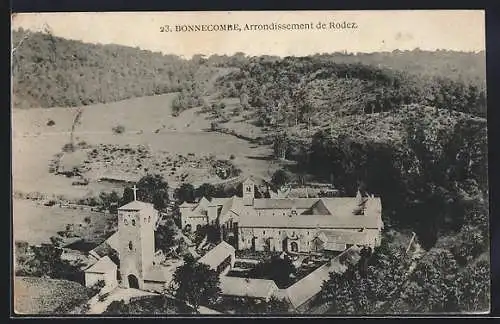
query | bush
(50,122)
(119,129)
(68,147)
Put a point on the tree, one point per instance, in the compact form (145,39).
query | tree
(164,237)
(277,269)
(109,201)
(153,189)
(474,287)
(433,284)
(185,193)
(128,196)
(45,261)
(244,101)
(280,178)
(206,190)
(281,145)
(196,283)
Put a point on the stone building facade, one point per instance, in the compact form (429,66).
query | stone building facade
(289,224)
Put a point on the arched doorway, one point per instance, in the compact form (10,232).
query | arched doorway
(133,282)
(254,243)
(294,247)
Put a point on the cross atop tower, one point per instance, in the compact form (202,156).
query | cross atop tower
(135,192)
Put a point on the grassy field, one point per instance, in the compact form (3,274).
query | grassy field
(45,296)
(146,121)
(35,223)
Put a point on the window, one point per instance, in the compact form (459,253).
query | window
(133,222)
(149,219)
(130,245)
(125,221)
(264,232)
(249,189)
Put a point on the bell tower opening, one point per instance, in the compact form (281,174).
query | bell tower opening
(248,192)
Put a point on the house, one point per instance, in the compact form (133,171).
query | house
(221,258)
(104,269)
(262,289)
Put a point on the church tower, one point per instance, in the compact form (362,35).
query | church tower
(136,222)
(248,192)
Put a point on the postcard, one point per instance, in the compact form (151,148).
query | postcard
(277,163)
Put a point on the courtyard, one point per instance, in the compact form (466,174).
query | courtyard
(284,268)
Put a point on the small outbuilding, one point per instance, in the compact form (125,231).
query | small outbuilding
(104,269)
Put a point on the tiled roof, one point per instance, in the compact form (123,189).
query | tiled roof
(310,221)
(155,273)
(215,256)
(284,203)
(347,237)
(103,265)
(341,206)
(218,201)
(162,273)
(114,241)
(186,204)
(257,288)
(202,205)
(136,205)
(106,247)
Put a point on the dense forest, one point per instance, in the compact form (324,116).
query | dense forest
(49,71)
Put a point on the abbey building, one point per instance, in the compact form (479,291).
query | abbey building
(289,224)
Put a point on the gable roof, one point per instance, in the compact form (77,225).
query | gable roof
(347,237)
(103,265)
(341,206)
(136,205)
(310,221)
(256,288)
(218,201)
(202,205)
(111,244)
(215,256)
(163,272)
(284,203)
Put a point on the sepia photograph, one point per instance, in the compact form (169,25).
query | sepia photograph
(246,163)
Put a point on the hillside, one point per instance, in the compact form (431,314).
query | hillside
(47,296)
(296,89)
(50,71)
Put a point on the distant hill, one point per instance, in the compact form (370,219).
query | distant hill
(56,72)
(292,90)
(51,71)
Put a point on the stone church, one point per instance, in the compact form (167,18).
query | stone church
(289,224)
(134,243)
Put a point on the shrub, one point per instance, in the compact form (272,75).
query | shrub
(50,122)
(232,157)
(119,129)
(68,147)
